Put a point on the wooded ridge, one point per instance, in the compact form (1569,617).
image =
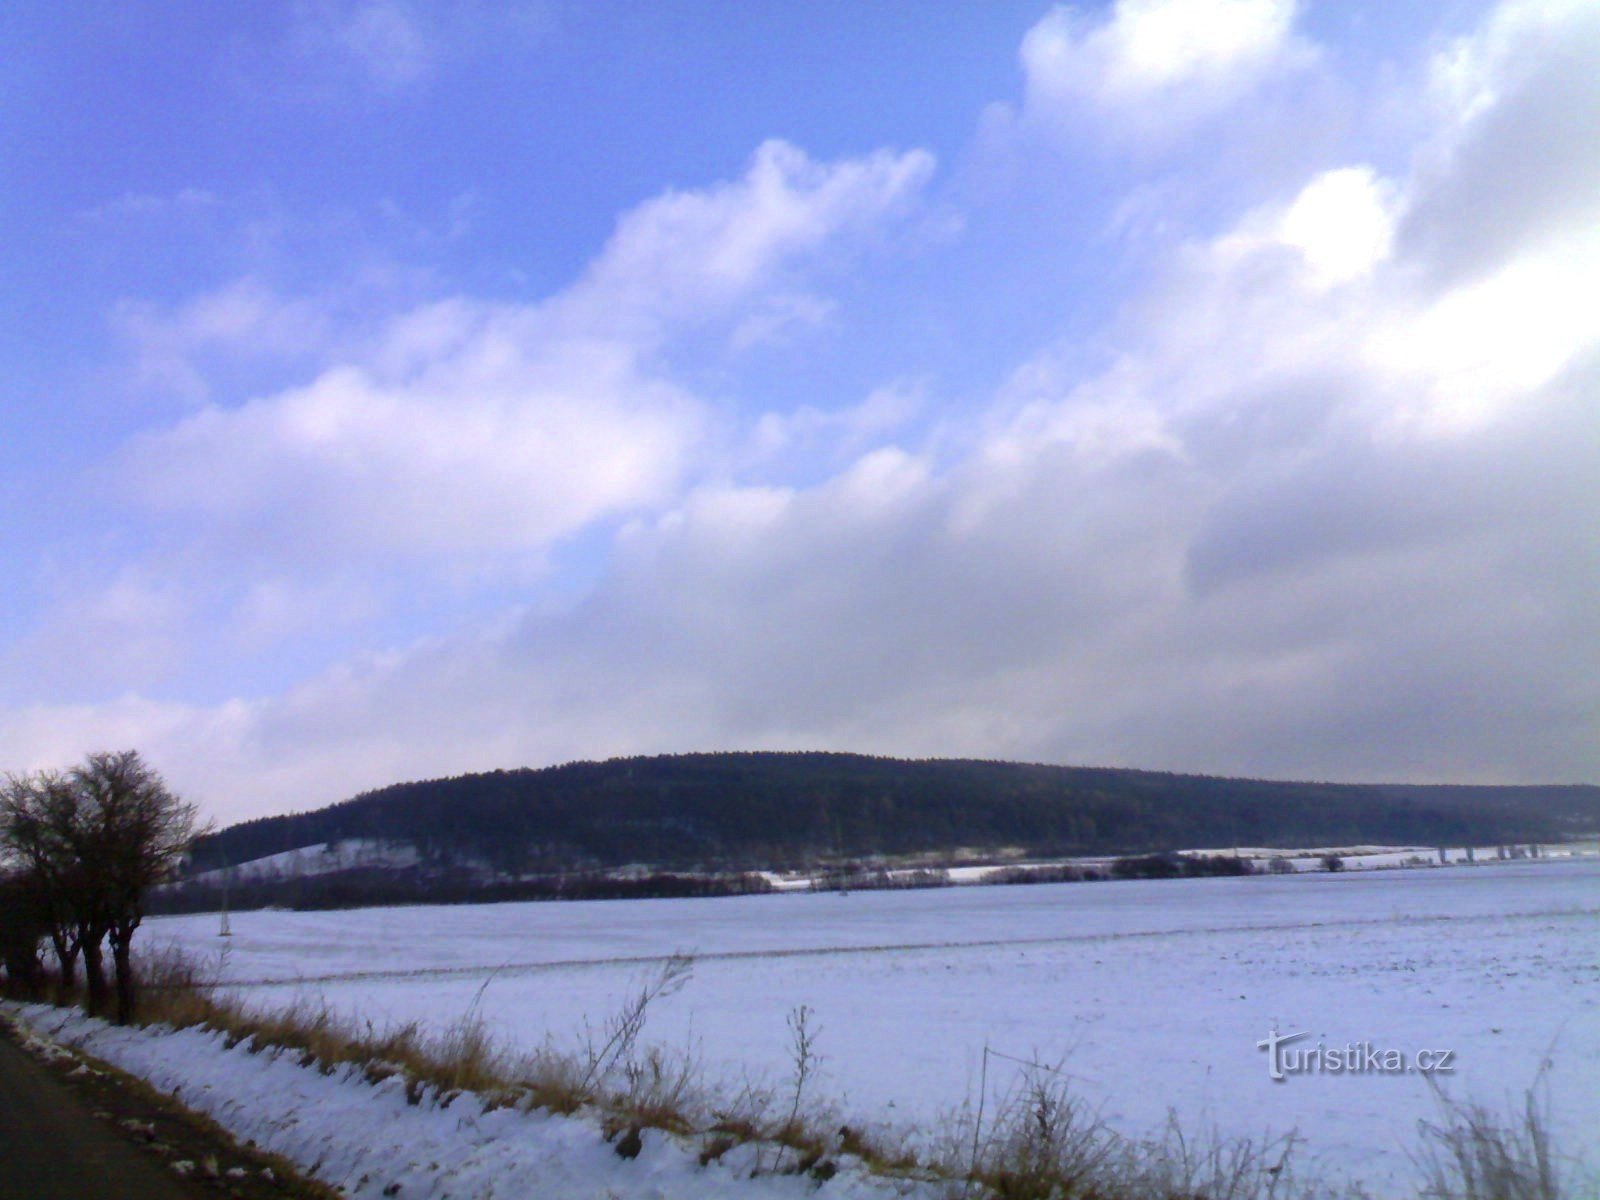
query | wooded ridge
(769,810)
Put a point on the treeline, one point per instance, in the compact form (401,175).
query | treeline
(79,853)
(1181,866)
(1136,866)
(367,887)
(853,877)
(734,812)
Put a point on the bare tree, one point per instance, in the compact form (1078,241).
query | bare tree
(135,835)
(39,815)
(23,925)
(95,841)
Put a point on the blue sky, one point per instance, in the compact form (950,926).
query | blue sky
(397,389)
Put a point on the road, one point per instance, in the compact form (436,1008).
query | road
(52,1147)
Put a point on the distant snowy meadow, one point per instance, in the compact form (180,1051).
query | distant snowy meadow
(1151,996)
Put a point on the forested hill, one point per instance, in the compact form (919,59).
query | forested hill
(751,810)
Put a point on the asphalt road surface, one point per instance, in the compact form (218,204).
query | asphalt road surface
(53,1148)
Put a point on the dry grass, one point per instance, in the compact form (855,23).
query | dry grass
(1214,1167)
(1044,1143)
(1474,1153)
(182,993)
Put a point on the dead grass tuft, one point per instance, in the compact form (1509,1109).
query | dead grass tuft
(1475,1153)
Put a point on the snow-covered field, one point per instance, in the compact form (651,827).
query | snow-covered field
(1153,995)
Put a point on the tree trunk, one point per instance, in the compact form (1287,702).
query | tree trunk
(94,970)
(121,946)
(23,975)
(66,965)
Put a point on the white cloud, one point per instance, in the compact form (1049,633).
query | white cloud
(1499,222)
(432,455)
(497,448)
(687,256)
(104,628)
(1341,223)
(1155,66)
(472,430)
(1507,96)
(779,318)
(175,349)
(139,206)
(385,42)
(844,432)
(1486,345)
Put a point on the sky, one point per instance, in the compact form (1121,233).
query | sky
(399,390)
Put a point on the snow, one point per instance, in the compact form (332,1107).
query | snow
(364,1139)
(1303,858)
(321,859)
(1152,994)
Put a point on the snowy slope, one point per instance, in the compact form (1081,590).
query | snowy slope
(371,1141)
(317,860)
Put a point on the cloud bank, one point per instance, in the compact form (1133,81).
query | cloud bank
(1322,504)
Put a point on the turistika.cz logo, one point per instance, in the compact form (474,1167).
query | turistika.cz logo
(1286,1058)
